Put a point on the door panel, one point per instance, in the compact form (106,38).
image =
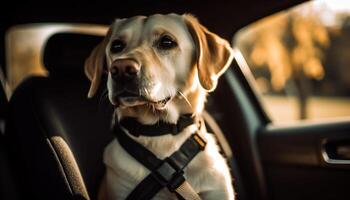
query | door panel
(295,160)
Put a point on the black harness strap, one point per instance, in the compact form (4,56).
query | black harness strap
(164,173)
(146,189)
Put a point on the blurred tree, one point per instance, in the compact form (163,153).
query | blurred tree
(291,46)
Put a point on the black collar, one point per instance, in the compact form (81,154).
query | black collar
(160,128)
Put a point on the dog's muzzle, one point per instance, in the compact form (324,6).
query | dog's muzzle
(127,88)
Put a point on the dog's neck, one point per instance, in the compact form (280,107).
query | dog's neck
(188,102)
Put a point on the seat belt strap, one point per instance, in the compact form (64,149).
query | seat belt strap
(186,191)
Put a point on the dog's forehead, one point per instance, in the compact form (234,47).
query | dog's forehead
(150,25)
(166,21)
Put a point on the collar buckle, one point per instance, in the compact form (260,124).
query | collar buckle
(200,141)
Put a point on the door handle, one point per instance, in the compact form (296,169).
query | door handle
(336,151)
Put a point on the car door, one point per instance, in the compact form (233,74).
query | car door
(293,104)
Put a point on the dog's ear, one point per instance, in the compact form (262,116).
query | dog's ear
(213,53)
(94,64)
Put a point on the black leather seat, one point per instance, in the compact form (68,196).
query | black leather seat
(57,134)
(7,183)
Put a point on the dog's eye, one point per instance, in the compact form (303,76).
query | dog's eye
(117,46)
(166,42)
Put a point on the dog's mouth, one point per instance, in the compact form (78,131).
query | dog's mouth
(128,99)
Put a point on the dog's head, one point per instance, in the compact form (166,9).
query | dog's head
(158,63)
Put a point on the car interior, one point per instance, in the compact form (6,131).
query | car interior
(52,136)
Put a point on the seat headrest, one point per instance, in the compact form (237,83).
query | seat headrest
(66,52)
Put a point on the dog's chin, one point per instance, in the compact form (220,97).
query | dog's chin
(126,102)
(129,102)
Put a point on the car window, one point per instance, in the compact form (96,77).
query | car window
(300,61)
(24,44)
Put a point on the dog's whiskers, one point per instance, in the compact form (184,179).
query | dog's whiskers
(146,91)
(188,102)
(153,108)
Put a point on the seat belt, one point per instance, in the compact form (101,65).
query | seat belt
(164,173)
(186,192)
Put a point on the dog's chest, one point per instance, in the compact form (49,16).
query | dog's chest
(121,161)
(124,173)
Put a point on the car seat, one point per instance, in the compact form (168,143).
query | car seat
(8,189)
(57,135)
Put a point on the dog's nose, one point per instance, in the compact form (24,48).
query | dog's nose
(125,68)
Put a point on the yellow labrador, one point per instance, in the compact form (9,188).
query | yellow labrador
(160,67)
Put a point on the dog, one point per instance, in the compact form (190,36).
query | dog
(160,67)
